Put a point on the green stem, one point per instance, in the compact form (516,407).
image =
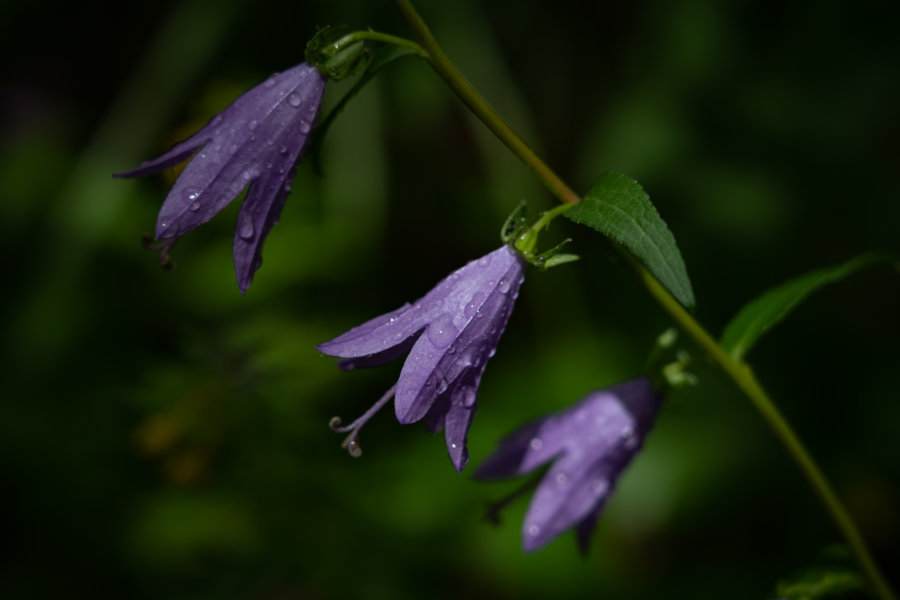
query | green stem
(739,372)
(480,107)
(375,36)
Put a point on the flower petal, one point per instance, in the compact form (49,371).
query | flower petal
(478,299)
(378,335)
(247,140)
(568,493)
(175,155)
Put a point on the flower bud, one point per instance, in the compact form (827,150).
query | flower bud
(335,53)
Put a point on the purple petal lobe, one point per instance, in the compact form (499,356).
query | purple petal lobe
(591,443)
(453,331)
(455,343)
(256,142)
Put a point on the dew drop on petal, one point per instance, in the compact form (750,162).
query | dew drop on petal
(270,82)
(252,124)
(536,444)
(194,206)
(294,100)
(441,331)
(441,385)
(599,486)
(534,530)
(283,149)
(473,304)
(246,231)
(562,479)
(468,395)
(304,126)
(503,286)
(484,261)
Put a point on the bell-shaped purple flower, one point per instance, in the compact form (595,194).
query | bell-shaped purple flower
(257,140)
(590,443)
(450,334)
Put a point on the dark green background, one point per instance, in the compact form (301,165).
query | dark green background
(162,436)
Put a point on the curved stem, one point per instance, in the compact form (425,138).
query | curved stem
(739,372)
(480,107)
(376,36)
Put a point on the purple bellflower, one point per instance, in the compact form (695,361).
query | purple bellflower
(590,443)
(450,334)
(257,140)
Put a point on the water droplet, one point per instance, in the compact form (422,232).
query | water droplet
(453,446)
(233,148)
(194,206)
(468,397)
(246,231)
(252,124)
(441,331)
(304,126)
(478,314)
(627,433)
(163,225)
(295,100)
(503,286)
(533,530)
(270,82)
(251,173)
(536,444)
(473,304)
(193,195)
(287,186)
(441,385)
(484,261)
(599,486)
(283,150)
(562,479)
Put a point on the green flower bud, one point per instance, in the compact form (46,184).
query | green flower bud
(335,52)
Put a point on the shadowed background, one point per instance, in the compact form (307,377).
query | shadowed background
(162,436)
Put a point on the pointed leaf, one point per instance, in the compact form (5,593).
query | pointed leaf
(759,315)
(619,208)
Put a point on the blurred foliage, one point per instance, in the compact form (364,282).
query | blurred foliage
(162,436)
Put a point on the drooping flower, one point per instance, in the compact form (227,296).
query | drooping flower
(590,443)
(450,334)
(257,140)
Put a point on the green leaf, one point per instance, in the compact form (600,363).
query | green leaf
(619,208)
(762,313)
(381,57)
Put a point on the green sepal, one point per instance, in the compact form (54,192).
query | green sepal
(334,56)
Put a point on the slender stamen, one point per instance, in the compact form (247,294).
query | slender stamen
(162,246)
(350,442)
(493,509)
